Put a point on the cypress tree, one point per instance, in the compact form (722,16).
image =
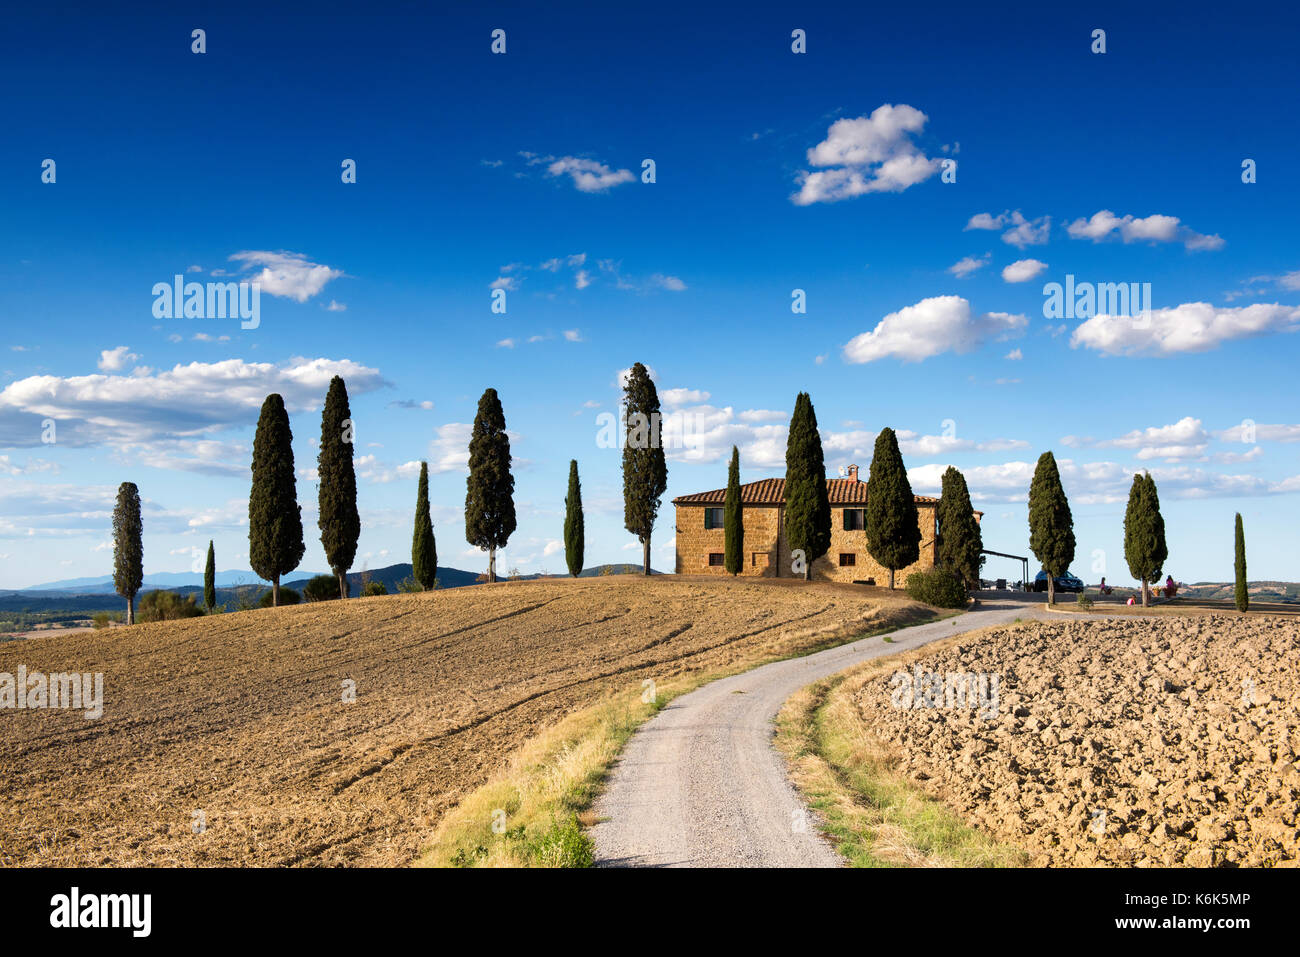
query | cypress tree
(807,504)
(489,490)
(210,579)
(960,541)
(1243,593)
(275,545)
(733,518)
(128,549)
(1144,534)
(1051,526)
(340,524)
(892,523)
(424,549)
(573,522)
(645,471)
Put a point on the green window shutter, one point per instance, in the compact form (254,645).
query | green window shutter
(845,516)
(708,518)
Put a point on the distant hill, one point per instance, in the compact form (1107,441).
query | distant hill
(1259,590)
(104,585)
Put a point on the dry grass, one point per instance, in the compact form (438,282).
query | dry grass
(241,716)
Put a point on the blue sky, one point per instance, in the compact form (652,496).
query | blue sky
(775,171)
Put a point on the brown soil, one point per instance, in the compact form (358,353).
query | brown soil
(241,716)
(1155,741)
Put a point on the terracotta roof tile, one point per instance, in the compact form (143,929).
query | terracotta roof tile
(771,491)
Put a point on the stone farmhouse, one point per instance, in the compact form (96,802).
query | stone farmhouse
(700,542)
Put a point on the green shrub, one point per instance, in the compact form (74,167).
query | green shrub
(563,845)
(409,584)
(287,597)
(940,587)
(1083,601)
(167,606)
(373,588)
(100,619)
(320,588)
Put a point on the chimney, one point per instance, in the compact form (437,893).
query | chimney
(853,473)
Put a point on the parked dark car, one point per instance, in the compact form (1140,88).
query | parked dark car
(1066,582)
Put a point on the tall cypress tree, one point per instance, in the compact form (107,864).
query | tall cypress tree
(424,549)
(1144,534)
(340,523)
(573,522)
(1051,526)
(489,490)
(960,541)
(210,579)
(1239,566)
(807,503)
(645,471)
(128,548)
(275,545)
(733,518)
(892,524)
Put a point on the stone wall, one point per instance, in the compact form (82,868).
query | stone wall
(767,554)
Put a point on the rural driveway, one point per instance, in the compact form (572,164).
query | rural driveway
(701,785)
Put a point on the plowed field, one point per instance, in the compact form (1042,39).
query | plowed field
(227,740)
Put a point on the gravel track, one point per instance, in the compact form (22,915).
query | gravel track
(701,785)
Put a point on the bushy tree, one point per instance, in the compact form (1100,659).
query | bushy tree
(1242,595)
(1144,534)
(733,521)
(424,548)
(128,548)
(167,606)
(1051,526)
(275,545)
(489,490)
(281,597)
(210,580)
(960,541)
(321,588)
(574,523)
(340,523)
(892,524)
(807,503)
(645,470)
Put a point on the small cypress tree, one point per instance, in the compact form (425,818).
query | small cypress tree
(489,490)
(892,523)
(1144,534)
(645,471)
(573,522)
(960,541)
(128,547)
(275,545)
(424,548)
(1239,566)
(1051,526)
(807,503)
(733,518)
(210,579)
(340,523)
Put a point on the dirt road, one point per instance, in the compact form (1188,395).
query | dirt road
(701,785)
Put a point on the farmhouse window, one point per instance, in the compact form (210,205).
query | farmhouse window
(853,520)
(715,558)
(713,518)
(847,559)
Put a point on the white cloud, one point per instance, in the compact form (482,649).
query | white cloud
(1190,327)
(449,452)
(930,327)
(1156,228)
(588,175)
(1184,439)
(509,283)
(964,267)
(336,306)
(1261,433)
(674,397)
(867,154)
(553,545)
(1027,232)
(671,283)
(114,360)
(287,275)
(581,279)
(1014,355)
(184,402)
(572,335)
(988,221)
(1023,270)
(506,344)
